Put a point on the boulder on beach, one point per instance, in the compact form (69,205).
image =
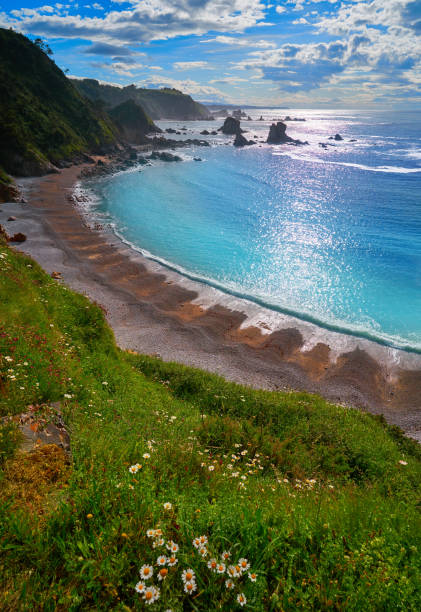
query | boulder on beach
(164,156)
(336,137)
(204,133)
(231,126)
(19,237)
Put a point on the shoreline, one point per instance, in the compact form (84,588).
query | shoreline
(153,309)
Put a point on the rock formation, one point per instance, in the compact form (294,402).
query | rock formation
(278,135)
(231,127)
(241,141)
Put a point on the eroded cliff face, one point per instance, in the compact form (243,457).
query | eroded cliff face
(133,123)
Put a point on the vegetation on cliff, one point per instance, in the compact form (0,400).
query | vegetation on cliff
(44,119)
(132,121)
(315,504)
(158,103)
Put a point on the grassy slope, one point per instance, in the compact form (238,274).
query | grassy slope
(349,540)
(43,116)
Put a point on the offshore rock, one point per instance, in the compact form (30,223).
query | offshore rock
(231,127)
(240,141)
(278,135)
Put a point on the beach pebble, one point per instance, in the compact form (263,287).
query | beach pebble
(11,219)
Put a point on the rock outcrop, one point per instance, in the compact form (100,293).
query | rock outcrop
(241,141)
(278,135)
(231,127)
(336,137)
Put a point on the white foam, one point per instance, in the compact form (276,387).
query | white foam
(318,160)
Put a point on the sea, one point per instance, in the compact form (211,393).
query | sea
(329,232)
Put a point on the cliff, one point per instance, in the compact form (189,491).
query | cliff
(157,103)
(132,122)
(45,121)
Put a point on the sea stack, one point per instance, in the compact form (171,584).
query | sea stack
(277,134)
(231,127)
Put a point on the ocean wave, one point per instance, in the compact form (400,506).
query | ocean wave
(359,331)
(318,160)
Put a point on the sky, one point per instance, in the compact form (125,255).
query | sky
(296,53)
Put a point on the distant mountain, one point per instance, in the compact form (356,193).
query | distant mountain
(133,122)
(43,117)
(157,103)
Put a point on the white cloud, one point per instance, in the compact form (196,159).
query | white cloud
(240,42)
(144,20)
(189,65)
(186,85)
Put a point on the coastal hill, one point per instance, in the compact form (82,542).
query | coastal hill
(44,118)
(157,103)
(133,123)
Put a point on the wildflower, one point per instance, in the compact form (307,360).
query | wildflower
(226,555)
(172,561)
(7,358)
(188,575)
(402,462)
(151,594)
(190,586)
(104,382)
(146,456)
(162,574)
(196,542)
(203,540)
(244,564)
(146,572)
(172,546)
(229,584)
(133,469)
(211,468)
(234,571)
(168,506)
(151,532)
(241,598)
(212,564)
(220,568)
(89,516)
(158,542)
(203,551)
(162,560)
(67,396)
(140,587)
(252,576)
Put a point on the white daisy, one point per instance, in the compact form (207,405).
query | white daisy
(140,587)
(252,576)
(151,533)
(226,555)
(146,572)
(146,456)
(188,575)
(162,560)
(212,564)
(168,506)
(172,560)
(158,542)
(234,571)
(190,586)
(203,551)
(172,546)
(133,469)
(229,584)
(162,573)
(244,564)
(151,594)
(241,599)
(220,568)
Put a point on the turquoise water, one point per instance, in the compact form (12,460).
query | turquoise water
(330,235)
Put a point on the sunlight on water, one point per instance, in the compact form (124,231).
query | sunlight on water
(330,234)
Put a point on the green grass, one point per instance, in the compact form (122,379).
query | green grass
(313,495)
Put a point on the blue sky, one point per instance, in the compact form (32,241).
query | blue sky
(302,53)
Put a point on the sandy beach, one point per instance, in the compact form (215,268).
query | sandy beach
(156,311)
